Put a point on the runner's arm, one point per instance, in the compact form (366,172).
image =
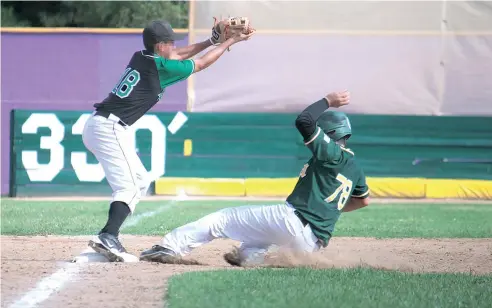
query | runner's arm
(355,204)
(306,120)
(322,147)
(360,195)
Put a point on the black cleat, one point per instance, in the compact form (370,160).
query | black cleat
(110,246)
(159,254)
(233,258)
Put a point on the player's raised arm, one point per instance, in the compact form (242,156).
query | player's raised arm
(221,31)
(182,69)
(210,57)
(317,138)
(183,53)
(306,120)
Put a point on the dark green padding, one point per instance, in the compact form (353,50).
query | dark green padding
(268,145)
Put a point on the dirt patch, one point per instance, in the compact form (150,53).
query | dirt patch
(409,255)
(26,260)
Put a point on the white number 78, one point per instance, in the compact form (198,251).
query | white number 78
(343,190)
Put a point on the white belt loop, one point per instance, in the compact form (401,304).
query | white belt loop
(116,120)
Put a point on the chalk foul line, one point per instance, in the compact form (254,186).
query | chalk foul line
(69,271)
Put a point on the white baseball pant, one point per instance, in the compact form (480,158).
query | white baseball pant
(111,143)
(256,227)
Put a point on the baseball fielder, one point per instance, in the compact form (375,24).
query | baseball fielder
(107,133)
(331,182)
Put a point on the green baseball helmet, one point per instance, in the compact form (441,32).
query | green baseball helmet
(335,124)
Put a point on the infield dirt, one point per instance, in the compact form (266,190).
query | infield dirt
(27,260)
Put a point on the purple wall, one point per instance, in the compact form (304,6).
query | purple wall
(66,72)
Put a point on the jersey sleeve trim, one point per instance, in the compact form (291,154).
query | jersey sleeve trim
(347,150)
(192,66)
(362,195)
(314,137)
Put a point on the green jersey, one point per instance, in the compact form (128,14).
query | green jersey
(325,184)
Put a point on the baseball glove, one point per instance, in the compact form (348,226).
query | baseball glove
(228,27)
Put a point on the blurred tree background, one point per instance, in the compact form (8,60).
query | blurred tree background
(92,14)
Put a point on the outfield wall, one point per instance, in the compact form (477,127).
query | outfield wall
(70,70)
(446,71)
(256,154)
(396,57)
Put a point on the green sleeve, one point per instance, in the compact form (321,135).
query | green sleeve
(361,189)
(175,69)
(323,148)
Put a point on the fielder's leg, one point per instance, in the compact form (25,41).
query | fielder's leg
(256,227)
(109,142)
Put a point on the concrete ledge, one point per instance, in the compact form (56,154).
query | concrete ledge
(200,187)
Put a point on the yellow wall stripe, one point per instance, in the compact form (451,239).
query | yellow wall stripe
(397,187)
(200,187)
(416,188)
(262,187)
(462,189)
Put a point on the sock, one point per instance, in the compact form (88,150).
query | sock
(118,211)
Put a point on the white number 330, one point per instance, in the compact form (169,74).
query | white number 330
(343,190)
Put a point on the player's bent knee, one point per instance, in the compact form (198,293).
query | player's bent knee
(144,187)
(129,196)
(136,200)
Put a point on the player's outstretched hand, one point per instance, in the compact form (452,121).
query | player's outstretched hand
(338,99)
(244,36)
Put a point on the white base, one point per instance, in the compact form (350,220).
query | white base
(88,256)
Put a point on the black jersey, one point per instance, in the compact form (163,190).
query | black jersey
(142,85)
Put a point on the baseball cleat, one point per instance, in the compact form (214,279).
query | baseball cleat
(159,254)
(109,246)
(233,258)
(245,257)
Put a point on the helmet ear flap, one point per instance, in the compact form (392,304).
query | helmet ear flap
(343,141)
(331,134)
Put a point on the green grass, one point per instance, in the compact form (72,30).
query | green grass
(379,220)
(418,220)
(82,218)
(302,287)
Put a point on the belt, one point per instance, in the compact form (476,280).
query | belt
(304,221)
(106,115)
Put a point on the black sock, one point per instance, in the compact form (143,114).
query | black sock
(118,211)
